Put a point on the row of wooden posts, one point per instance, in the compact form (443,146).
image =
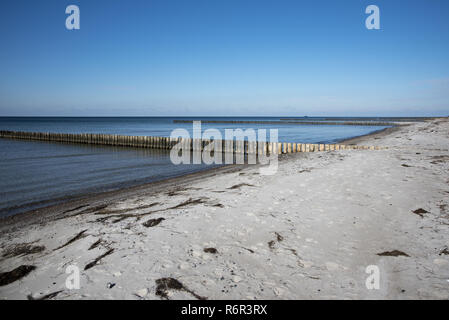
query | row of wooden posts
(246,147)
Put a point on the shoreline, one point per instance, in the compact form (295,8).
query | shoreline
(307,232)
(47,213)
(81,199)
(375,135)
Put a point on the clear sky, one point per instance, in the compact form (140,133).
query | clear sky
(227,57)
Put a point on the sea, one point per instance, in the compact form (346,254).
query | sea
(35,174)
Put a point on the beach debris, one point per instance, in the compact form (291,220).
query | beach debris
(22,249)
(440,159)
(211,250)
(85,211)
(45,297)
(166,284)
(16,274)
(110,285)
(237,186)
(121,217)
(77,208)
(394,253)
(95,244)
(118,211)
(405,165)
(142,293)
(93,263)
(443,208)
(420,212)
(247,249)
(219,205)
(152,222)
(445,251)
(188,202)
(80,235)
(177,191)
(279,238)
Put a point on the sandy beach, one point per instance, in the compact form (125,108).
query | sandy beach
(307,232)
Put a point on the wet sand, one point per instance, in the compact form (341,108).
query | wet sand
(307,232)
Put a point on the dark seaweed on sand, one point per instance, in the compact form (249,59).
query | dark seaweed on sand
(16,274)
(165,284)
(93,263)
(77,237)
(22,249)
(152,222)
(394,253)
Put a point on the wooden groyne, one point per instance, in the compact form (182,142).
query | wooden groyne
(236,146)
(284,122)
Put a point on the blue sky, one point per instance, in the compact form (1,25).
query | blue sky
(227,57)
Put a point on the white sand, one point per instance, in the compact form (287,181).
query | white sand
(332,212)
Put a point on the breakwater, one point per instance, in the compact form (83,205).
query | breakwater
(283,122)
(234,146)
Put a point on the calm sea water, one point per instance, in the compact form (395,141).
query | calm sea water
(35,173)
